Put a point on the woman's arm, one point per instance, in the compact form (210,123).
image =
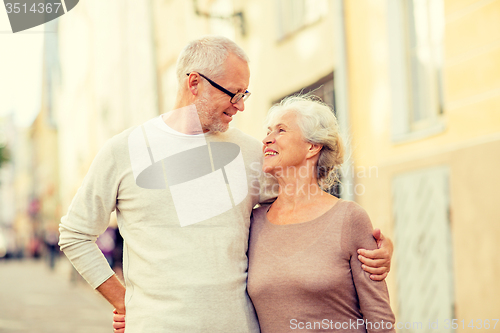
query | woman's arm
(373,295)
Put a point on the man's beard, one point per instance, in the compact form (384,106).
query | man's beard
(209,119)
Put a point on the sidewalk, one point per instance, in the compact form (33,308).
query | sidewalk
(35,299)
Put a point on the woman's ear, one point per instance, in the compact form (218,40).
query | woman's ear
(314,149)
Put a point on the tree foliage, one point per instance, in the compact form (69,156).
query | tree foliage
(4,155)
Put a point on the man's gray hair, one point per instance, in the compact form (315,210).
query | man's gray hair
(207,55)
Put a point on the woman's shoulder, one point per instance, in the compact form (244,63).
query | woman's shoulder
(355,214)
(352,207)
(354,217)
(356,228)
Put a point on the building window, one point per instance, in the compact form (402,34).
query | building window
(293,15)
(322,88)
(416,31)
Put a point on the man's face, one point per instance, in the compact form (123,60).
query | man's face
(214,106)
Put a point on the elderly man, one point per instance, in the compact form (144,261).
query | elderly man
(183,186)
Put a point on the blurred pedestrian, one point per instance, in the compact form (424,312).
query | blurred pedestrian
(106,243)
(51,239)
(118,254)
(35,247)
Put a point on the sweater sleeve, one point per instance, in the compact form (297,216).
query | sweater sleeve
(373,295)
(88,217)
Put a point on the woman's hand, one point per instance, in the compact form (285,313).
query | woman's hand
(118,322)
(377,262)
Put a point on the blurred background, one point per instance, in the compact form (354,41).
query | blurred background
(415,85)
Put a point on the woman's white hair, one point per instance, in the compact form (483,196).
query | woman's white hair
(207,55)
(318,125)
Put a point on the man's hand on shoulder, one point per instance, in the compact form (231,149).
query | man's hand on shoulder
(377,262)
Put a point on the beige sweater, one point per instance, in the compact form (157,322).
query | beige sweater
(182,273)
(306,277)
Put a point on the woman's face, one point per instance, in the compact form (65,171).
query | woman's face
(284,146)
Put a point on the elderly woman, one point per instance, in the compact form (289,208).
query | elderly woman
(303,270)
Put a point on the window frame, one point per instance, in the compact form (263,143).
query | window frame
(404,127)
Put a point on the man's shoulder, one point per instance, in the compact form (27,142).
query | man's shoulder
(123,137)
(124,134)
(250,146)
(120,139)
(235,134)
(239,133)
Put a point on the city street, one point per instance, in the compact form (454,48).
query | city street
(37,300)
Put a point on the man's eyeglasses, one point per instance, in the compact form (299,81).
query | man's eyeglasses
(235,98)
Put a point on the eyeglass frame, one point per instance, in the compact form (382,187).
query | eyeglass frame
(244,95)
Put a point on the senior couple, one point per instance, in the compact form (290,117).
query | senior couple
(306,262)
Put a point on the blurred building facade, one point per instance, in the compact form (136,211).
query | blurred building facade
(15,190)
(415,85)
(106,83)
